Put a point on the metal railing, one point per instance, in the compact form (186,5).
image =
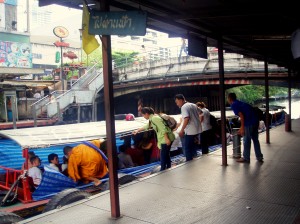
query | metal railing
(86,78)
(144,65)
(82,91)
(9,173)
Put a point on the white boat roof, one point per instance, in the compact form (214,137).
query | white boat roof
(41,137)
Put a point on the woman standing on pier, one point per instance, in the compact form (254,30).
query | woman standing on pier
(164,134)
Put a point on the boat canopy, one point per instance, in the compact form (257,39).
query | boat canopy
(41,137)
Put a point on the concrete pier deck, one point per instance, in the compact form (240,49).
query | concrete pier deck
(204,191)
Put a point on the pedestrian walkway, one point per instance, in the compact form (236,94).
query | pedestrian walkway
(204,191)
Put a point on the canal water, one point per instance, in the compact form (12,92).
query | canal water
(295,106)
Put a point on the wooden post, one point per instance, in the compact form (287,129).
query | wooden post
(110,121)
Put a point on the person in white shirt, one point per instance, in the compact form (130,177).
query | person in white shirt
(191,127)
(206,127)
(53,162)
(34,172)
(37,95)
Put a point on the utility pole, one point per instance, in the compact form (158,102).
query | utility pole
(28,16)
(61,67)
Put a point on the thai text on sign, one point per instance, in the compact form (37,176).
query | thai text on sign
(118,23)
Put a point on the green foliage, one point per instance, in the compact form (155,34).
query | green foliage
(48,77)
(93,58)
(124,58)
(120,58)
(251,93)
(72,73)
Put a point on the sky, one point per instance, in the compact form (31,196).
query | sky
(60,16)
(67,17)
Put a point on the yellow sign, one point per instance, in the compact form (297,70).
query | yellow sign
(61,32)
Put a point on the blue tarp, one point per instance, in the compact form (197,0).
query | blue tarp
(11,153)
(53,181)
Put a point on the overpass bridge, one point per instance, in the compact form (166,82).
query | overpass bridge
(155,82)
(191,71)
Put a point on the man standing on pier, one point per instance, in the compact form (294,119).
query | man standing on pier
(191,127)
(248,129)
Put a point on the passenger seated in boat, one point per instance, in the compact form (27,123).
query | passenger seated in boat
(135,151)
(125,160)
(54,162)
(150,150)
(30,154)
(85,163)
(34,172)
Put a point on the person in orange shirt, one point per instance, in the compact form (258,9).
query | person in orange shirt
(86,163)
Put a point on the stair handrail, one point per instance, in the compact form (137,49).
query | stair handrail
(95,77)
(85,78)
(41,104)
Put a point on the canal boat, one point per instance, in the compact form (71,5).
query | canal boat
(14,152)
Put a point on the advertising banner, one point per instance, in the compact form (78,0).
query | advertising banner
(13,54)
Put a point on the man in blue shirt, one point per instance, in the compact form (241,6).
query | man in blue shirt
(248,129)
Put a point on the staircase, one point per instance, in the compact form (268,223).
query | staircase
(82,92)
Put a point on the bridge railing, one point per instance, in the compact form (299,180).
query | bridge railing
(181,66)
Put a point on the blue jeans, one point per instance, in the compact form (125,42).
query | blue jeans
(251,132)
(190,146)
(183,145)
(165,158)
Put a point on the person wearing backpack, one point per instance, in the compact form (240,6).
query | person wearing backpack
(164,134)
(248,129)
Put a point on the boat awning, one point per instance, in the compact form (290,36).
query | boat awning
(41,137)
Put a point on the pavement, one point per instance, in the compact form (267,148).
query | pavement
(204,191)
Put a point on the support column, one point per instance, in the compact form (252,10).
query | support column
(78,112)
(288,120)
(222,101)
(14,110)
(110,119)
(267,102)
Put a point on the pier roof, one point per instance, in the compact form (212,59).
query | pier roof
(258,29)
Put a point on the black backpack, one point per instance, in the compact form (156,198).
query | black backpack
(212,120)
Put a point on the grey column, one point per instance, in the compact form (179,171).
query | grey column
(222,101)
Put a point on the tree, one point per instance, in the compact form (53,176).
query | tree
(93,58)
(252,93)
(124,58)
